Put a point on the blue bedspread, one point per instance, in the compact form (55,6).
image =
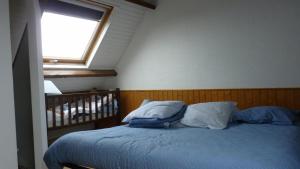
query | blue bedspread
(244,146)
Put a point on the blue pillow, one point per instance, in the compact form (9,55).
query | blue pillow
(266,114)
(155,109)
(156,122)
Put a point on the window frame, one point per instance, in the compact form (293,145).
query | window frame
(99,31)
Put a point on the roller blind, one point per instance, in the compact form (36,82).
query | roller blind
(64,8)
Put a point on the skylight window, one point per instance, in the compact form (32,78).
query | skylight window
(66,37)
(71,32)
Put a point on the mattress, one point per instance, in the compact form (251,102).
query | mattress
(243,146)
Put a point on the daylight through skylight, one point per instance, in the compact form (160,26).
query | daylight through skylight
(65,37)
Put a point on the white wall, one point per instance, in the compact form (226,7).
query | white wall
(37,82)
(78,84)
(30,12)
(214,44)
(8,147)
(123,22)
(23,111)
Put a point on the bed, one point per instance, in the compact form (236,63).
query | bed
(240,146)
(77,108)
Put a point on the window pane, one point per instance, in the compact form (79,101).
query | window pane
(65,37)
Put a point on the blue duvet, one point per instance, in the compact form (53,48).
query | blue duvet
(244,146)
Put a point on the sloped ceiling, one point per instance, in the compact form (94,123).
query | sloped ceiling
(124,21)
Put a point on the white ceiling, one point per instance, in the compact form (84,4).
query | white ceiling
(124,20)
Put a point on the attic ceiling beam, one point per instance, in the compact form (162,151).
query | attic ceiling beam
(56,73)
(142,3)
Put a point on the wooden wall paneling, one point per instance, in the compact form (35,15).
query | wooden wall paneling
(130,101)
(202,96)
(282,97)
(141,96)
(221,94)
(271,97)
(248,98)
(291,98)
(214,96)
(165,95)
(155,95)
(286,98)
(234,96)
(255,98)
(136,98)
(241,99)
(191,98)
(227,95)
(245,98)
(160,95)
(174,95)
(180,94)
(196,96)
(170,95)
(185,96)
(149,94)
(297,96)
(208,95)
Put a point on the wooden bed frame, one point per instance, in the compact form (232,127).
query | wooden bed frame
(83,108)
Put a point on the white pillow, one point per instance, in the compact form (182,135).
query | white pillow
(213,115)
(155,109)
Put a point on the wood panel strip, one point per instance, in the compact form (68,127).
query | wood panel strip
(53,113)
(96,106)
(62,114)
(102,106)
(90,107)
(113,104)
(107,105)
(55,73)
(83,107)
(69,110)
(47,108)
(76,109)
(287,97)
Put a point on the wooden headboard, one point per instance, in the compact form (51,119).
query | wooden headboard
(287,97)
